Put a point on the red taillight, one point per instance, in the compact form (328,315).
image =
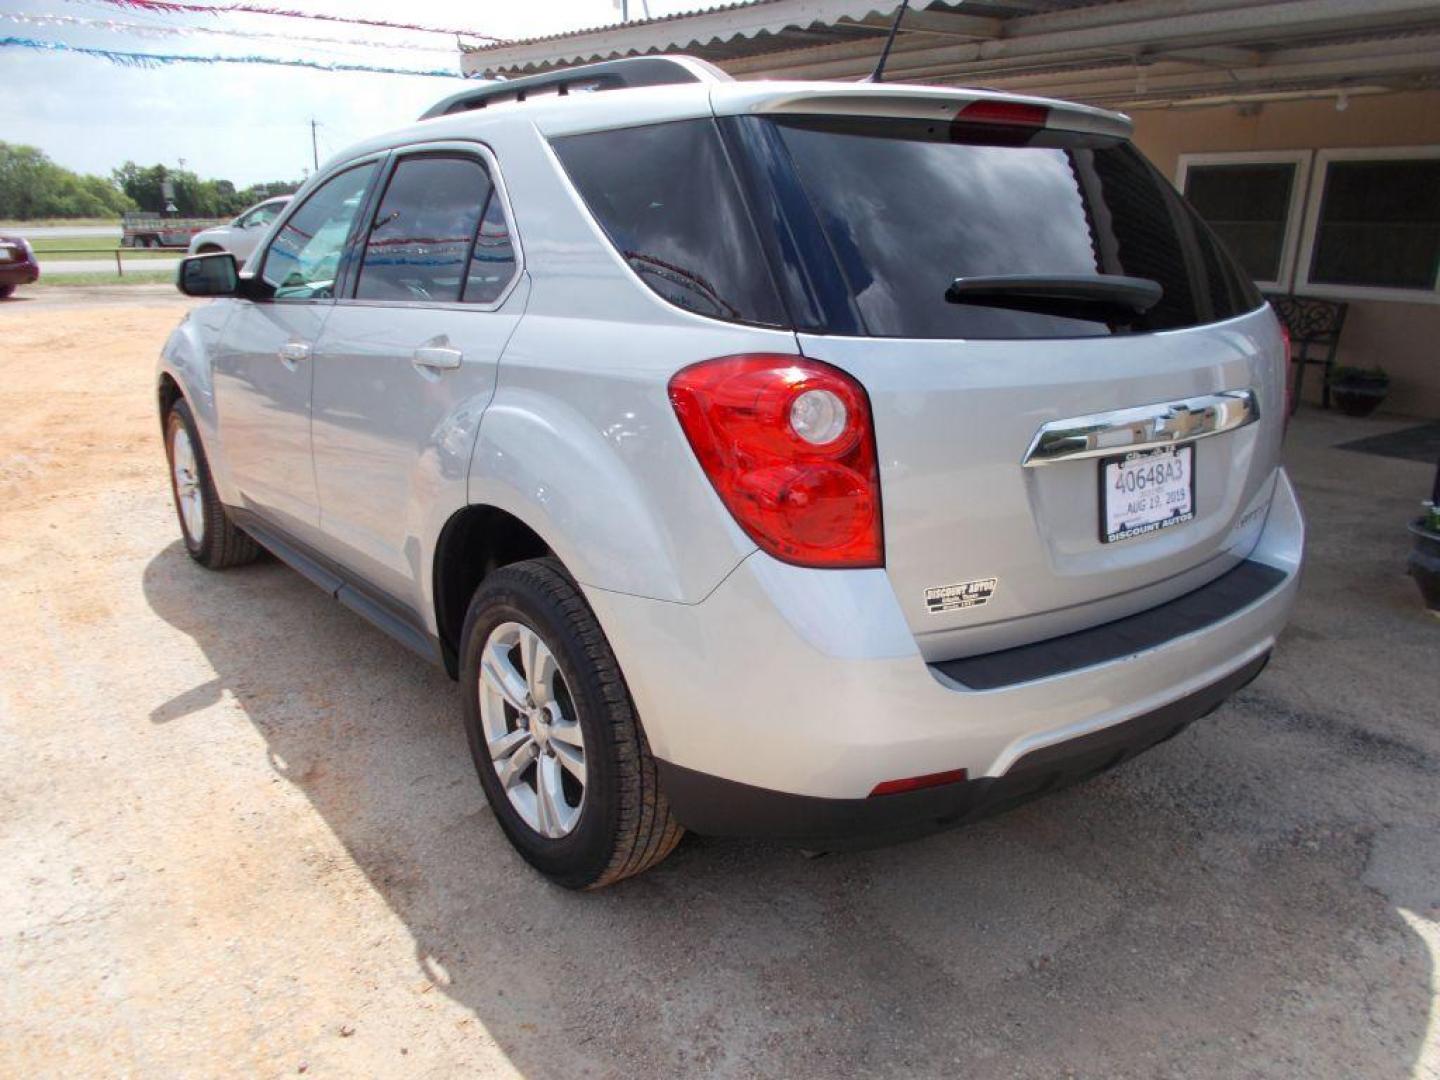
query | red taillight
(915,783)
(1009,113)
(787,442)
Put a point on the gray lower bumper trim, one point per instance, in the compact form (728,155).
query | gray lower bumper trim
(1230,592)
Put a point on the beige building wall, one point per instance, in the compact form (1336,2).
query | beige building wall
(1404,338)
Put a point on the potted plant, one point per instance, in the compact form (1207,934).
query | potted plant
(1358,391)
(1425,555)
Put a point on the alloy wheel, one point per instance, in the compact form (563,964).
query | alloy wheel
(532,730)
(185,471)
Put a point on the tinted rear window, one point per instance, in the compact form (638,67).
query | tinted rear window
(668,200)
(908,207)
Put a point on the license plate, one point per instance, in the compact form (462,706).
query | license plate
(1146,491)
(7,254)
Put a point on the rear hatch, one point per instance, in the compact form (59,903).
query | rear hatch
(993,536)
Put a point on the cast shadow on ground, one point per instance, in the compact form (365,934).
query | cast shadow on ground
(1171,917)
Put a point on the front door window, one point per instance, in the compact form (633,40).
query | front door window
(304,259)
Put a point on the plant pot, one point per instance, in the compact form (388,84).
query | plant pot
(1357,397)
(1424,565)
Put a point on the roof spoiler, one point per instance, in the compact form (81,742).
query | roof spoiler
(905,101)
(583,79)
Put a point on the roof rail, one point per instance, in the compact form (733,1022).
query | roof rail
(584,79)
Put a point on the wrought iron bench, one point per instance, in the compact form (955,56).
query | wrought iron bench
(1313,323)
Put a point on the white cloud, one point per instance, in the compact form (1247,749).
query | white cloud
(245,122)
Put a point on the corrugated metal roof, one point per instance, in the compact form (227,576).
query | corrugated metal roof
(725,32)
(1117,53)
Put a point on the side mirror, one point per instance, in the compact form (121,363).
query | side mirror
(215,274)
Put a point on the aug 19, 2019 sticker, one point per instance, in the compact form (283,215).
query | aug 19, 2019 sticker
(967,594)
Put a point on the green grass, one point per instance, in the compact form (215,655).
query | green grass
(138,277)
(94,247)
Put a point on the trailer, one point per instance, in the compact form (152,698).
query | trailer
(148,230)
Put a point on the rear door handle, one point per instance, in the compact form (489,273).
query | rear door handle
(292,352)
(437,358)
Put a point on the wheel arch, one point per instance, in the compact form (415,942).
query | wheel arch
(184,371)
(475,541)
(168,392)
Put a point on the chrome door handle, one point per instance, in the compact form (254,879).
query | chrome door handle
(437,358)
(1144,428)
(292,352)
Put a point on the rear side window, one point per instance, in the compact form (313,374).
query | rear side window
(435,237)
(492,264)
(908,207)
(666,197)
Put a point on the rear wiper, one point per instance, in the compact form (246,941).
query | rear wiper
(1103,298)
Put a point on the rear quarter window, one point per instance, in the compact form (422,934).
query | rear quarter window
(907,207)
(668,201)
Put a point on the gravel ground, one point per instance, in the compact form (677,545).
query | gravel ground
(163,296)
(241,835)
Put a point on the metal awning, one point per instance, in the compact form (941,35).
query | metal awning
(1131,54)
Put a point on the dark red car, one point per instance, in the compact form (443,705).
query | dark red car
(17,264)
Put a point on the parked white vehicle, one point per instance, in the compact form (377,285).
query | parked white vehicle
(241,236)
(827,462)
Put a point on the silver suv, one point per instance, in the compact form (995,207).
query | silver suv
(823,462)
(240,236)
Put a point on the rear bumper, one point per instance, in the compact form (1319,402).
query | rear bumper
(24,273)
(715,807)
(793,682)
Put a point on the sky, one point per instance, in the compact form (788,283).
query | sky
(245,123)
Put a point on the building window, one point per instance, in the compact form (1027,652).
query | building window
(1253,202)
(1373,225)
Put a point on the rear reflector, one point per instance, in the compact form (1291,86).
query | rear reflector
(915,783)
(1009,113)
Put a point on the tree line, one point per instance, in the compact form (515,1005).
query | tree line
(32,186)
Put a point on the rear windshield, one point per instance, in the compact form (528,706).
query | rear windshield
(908,207)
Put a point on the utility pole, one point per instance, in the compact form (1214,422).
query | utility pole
(314,145)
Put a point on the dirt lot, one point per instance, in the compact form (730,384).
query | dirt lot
(240,834)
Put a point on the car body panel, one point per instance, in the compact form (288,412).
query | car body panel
(263,409)
(392,440)
(812,683)
(186,358)
(581,443)
(954,420)
(18,265)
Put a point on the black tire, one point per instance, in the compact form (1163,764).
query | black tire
(222,544)
(625,825)
(6,291)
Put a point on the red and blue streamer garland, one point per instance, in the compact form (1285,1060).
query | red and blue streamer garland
(150,60)
(177,7)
